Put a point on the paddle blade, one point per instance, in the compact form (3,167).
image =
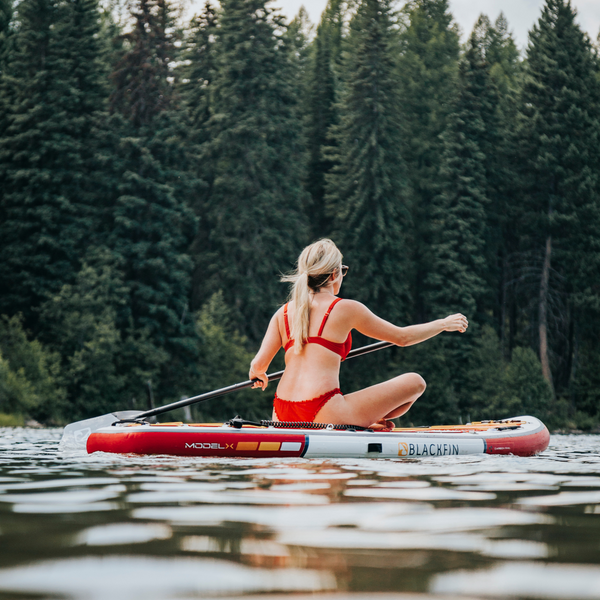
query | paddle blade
(75,435)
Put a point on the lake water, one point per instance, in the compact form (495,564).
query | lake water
(129,527)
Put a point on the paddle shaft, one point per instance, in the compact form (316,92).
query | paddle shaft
(246,384)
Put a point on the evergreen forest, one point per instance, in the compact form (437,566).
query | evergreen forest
(159,174)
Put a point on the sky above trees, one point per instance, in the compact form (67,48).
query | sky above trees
(521,14)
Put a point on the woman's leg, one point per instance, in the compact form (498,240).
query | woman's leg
(388,400)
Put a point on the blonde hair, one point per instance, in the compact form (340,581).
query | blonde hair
(316,264)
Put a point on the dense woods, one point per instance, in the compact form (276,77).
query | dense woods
(157,176)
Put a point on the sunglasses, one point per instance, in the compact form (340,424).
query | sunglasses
(344,270)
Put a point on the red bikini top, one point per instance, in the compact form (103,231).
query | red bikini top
(341,348)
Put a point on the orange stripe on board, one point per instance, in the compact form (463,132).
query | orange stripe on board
(247,446)
(269,446)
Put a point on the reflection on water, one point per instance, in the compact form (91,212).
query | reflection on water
(128,527)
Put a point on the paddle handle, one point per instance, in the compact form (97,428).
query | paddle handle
(246,384)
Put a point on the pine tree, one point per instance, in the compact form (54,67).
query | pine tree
(254,214)
(198,70)
(297,36)
(558,135)
(141,86)
(502,238)
(47,165)
(150,221)
(502,54)
(367,185)
(296,40)
(427,72)
(335,19)
(456,281)
(367,188)
(320,113)
(113,22)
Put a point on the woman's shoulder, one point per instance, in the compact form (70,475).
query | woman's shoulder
(347,309)
(352,311)
(347,304)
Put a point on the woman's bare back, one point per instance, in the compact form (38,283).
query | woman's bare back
(315,369)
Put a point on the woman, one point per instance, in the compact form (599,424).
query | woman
(314,328)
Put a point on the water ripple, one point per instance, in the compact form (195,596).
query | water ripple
(162,527)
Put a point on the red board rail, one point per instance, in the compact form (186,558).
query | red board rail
(197,443)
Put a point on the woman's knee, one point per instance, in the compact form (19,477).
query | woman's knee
(416,383)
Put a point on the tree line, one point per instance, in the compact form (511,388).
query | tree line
(158,175)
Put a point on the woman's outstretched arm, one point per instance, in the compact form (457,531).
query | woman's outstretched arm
(374,327)
(268,349)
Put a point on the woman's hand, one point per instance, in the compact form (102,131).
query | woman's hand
(456,322)
(262,378)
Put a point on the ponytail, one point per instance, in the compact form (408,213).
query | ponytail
(316,264)
(300,295)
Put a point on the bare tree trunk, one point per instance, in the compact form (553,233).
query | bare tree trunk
(543,314)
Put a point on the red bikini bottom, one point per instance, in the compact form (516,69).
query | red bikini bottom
(302,410)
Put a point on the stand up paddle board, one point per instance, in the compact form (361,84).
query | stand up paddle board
(522,436)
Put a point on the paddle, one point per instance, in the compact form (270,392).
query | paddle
(76,434)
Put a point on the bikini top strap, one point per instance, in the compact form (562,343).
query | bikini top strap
(326,316)
(285,320)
